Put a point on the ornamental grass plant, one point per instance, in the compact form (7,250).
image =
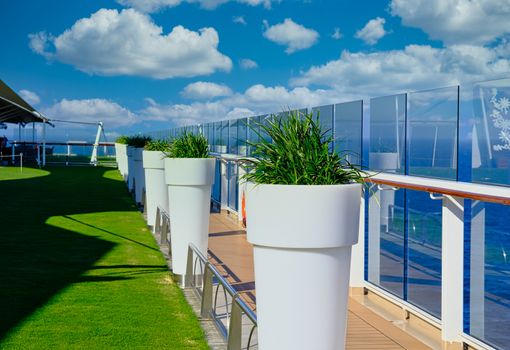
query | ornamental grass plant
(123,140)
(157,145)
(138,141)
(189,145)
(297,152)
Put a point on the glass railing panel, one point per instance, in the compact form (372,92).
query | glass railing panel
(209,134)
(232,185)
(347,126)
(216,188)
(487,268)
(424,227)
(242,136)
(387,133)
(386,239)
(217,137)
(232,136)
(224,135)
(325,115)
(264,119)
(253,130)
(491,131)
(432,133)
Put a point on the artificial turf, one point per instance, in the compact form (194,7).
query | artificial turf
(80,269)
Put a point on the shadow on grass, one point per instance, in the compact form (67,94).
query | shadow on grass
(111,233)
(37,259)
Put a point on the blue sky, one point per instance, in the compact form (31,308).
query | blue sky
(150,64)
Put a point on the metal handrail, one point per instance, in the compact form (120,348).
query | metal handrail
(162,226)
(484,192)
(227,157)
(208,306)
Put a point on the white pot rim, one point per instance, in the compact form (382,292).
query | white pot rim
(153,159)
(189,171)
(303,216)
(354,184)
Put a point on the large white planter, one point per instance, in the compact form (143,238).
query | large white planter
(189,183)
(130,169)
(155,187)
(302,237)
(121,156)
(139,174)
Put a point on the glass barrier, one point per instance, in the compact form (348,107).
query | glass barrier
(253,132)
(404,245)
(347,126)
(487,272)
(387,133)
(217,137)
(491,131)
(216,188)
(386,239)
(242,136)
(223,137)
(232,136)
(432,133)
(325,115)
(424,227)
(233,188)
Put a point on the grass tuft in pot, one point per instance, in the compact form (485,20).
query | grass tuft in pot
(123,140)
(157,145)
(138,141)
(189,145)
(298,153)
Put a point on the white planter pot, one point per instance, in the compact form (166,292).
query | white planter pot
(189,183)
(121,156)
(155,187)
(302,237)
(130,169)
(139,174)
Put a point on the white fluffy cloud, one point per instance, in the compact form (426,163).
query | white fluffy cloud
(289,33)
(239,20)
(156,5)
(130,43)
(414,68)
(94,110)
(257,99)
(31,97)
(246,63)
(184,114)
(337,35)
(372,31)
(205,90)
(456,21)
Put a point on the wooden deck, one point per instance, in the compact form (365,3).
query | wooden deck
(232,254)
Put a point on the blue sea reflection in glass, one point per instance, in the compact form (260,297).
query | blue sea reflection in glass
(424,227)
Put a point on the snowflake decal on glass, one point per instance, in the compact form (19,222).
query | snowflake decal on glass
(501,120)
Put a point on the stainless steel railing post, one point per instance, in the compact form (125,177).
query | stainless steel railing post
(235,326)
(190,275)
(163,239)
(207,293)
(157,224)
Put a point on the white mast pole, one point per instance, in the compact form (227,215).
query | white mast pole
(93,158)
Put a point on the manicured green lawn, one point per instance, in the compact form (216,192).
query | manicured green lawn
(79,268)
